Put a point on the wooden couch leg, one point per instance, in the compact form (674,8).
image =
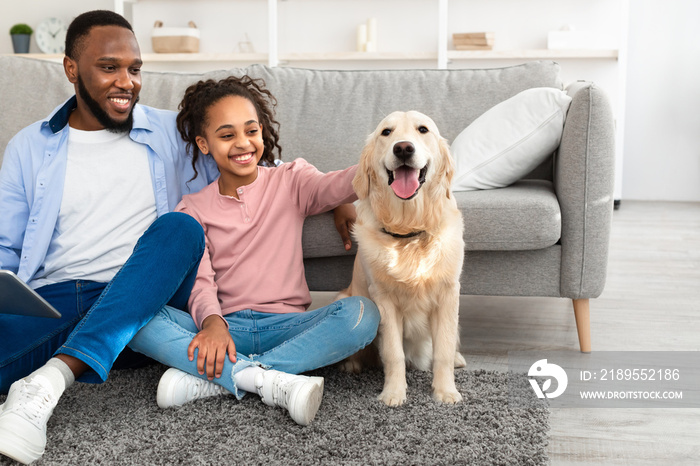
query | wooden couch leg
(582,314)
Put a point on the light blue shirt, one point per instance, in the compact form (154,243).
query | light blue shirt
(33,174)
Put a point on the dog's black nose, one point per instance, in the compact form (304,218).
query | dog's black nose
(404,150)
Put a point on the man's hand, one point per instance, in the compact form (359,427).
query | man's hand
(344,216)
(213,342)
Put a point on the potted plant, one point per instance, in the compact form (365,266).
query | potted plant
(21,33)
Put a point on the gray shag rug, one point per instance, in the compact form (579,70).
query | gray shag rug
(119,422)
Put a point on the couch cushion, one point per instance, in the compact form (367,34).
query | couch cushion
(320,238)
(510,139)
(325,116)
(29,90)
(163,89)
(522,216)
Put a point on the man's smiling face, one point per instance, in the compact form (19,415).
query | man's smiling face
(107,77)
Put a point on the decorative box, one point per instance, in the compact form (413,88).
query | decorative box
(175,40)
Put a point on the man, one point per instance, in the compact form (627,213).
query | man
(85,197)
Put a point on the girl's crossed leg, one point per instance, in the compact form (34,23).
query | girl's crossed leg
(274,345)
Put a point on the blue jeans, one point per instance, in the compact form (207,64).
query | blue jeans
(99,319)
(293,343)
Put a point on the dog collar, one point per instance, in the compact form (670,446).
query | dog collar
(407,235)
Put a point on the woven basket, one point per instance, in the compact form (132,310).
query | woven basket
(175,40)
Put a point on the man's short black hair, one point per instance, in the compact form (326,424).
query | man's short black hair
(81,25)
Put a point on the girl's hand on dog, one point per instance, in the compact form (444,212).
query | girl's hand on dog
(344,216)
(213,341)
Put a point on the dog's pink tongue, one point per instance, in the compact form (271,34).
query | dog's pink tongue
(405,182)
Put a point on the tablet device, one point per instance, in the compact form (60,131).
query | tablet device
(16,297)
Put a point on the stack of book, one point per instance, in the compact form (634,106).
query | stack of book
(473,40)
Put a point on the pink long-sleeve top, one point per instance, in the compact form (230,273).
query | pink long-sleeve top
(253,257)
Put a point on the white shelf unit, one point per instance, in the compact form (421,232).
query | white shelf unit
(530,54)
(452,55)
(441,57)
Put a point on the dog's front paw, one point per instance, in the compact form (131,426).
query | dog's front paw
(352,365)
(392,397)
(447,396)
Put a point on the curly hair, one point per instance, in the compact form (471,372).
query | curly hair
(192,118)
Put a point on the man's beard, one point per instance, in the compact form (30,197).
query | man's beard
(109,123)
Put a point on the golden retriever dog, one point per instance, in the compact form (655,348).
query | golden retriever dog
(410,254)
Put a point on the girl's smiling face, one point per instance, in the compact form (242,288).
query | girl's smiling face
(233,136)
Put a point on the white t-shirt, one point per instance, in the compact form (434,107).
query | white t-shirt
(107,204)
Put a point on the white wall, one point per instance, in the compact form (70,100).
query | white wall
(662,134)
(33,12)
(662,138)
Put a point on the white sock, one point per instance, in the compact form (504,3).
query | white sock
(57,373)
(245,379)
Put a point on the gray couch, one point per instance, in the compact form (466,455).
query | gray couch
(546,235)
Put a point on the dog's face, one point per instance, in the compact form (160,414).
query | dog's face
(404,153)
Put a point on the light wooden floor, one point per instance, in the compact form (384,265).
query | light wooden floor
(651,302)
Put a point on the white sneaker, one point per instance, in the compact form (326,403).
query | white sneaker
(23,419)
(299,394)
(177,388)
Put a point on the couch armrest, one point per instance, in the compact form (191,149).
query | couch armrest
(584,182)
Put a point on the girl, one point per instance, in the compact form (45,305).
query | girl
(248,330)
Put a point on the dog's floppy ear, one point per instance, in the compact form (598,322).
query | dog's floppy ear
(364,171)
(448,163)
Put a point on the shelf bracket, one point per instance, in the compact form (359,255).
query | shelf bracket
(273,52)
(442,34)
